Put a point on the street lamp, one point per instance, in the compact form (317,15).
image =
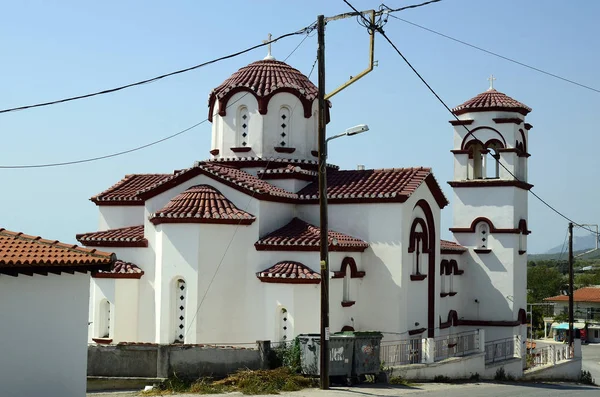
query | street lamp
(324,248)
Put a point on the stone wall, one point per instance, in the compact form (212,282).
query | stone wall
(161,361)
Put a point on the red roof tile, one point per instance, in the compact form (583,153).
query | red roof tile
(491,100)
(263,78)
(125,191)
(451,247)
(393,184)
(131,236)
(587,294)
(21,253)
(201,204)
(302,236)
(289,272)
(289,171)
(121,269)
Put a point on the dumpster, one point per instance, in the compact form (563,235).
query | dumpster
(366,356)
(341,349)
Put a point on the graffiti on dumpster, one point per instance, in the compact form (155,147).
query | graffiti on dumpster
(367,349)
(336,354)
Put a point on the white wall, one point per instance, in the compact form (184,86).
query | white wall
(43,328)
(116,216)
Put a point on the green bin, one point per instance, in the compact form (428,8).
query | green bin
(341,349)
(366,358)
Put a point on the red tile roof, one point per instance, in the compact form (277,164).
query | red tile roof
(302,236)
(290,171)
(359,186)
(289,272)
(125,191)
(121,269)
(263,78)
(587,294)
(491,100)
(450,247)
(201,204)
(392,184)
(24,254)
(131,236)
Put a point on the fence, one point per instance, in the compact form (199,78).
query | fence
(503,349)
(456,345)
(401,352)
(549,355)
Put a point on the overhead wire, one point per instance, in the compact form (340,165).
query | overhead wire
(245,209)
(498,55)
(304,30)
(103,157)
(380,30)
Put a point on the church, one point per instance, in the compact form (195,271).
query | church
(227,251)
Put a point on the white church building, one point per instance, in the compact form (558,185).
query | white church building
(227,251)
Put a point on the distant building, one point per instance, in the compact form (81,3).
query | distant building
(586,313)
(44,290)
(227,251)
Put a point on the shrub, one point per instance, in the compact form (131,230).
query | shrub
(586,378)
(442,379)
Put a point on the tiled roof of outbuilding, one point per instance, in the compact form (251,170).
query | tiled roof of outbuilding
(22,253)
(299,235)
(491,100)
(451,246)
(289,272)
(121,269)
(201,204)
(586,294)
(130,236)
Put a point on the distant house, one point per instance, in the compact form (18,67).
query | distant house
(586,308)
(44,301)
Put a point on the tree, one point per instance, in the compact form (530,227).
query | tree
(543,282)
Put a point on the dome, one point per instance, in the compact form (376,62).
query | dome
(264,79)
(492,100)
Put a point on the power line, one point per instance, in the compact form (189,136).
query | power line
(304,30)
(411,6)
(380,30)
(562,250)
(91,159)
(499,55)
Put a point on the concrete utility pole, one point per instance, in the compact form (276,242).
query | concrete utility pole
(324,254)
(571,284)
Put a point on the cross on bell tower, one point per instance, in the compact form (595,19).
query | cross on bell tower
(269,57)
(490,79)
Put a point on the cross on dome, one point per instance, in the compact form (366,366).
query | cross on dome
(269,57)
(491,80)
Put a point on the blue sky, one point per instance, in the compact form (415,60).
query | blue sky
(54,49)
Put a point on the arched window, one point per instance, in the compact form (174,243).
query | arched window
(284,126)
(180,306)
(243,121)
(492,165)
(104,327)
(418,244)
(476,161)
(483,234)
(523,236)
(346,292)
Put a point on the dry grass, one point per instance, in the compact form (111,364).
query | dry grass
(244,381)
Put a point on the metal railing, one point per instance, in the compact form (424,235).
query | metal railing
(503,349)
(401,352)
(549,355)
(456,345)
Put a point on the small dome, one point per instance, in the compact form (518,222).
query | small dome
(491,100)
(264,78)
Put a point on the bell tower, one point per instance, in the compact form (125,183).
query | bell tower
(490,207)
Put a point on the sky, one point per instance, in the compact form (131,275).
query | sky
(56,49)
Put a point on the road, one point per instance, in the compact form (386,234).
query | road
(431,390)
(591,360)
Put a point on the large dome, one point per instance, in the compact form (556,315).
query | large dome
(491,100)
(264,79)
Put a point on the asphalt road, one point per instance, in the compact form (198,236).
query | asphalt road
(431,390)
(591,360)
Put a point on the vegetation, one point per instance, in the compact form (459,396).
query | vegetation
(245,381)
(286,355)
(586,378)
(399,381)
(502,376)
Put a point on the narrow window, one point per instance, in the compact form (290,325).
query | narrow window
(180,305)
(284,126)
(418,246)
(283,324)
(476,161)
(242,126)
(483,234)
(346,297)
(104,330)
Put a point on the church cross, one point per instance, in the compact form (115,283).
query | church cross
(269,56)
(491,80)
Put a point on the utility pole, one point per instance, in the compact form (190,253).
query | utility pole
(571,284)
(324,227)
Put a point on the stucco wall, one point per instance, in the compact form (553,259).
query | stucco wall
(43,332)
(454,368)
(570,370)
(511,368)
(115,216)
